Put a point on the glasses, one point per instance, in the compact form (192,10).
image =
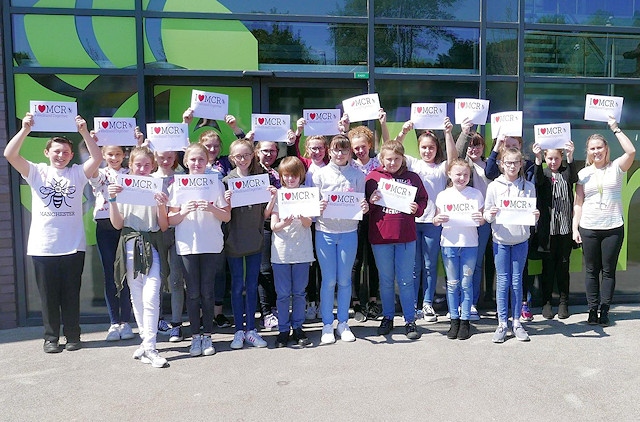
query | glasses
(341,151)
(316,149)
(269,151)
(511,163)
(240,157)
(476,146)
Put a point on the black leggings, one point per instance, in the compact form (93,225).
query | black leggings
(200,273)
(601,249)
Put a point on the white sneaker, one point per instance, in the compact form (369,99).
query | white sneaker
(345,332)
(238,340)
(207,346)
(152,357)
(429,314)
(311,311)
(253,338)
(327,335)
(139,352)
(126,333)
(196,345)
(520,333)
(114,333)
(474,315)
(270,322)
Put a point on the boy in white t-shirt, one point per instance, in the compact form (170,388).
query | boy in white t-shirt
(56,237)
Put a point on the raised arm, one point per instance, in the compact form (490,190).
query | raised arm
(462,144)
(626,159)
(406,128)
(382,117)
(92,164)
(12,150)
(450,145)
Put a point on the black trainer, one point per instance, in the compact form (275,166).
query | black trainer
(465,330)
(51,346)
(604,317)
(563,310)
(385,326)
(358,313)
(373,310)
(282,340)
(411,331)
(300,338)
(222,321)
(452,334)
(593,317)
(547,311)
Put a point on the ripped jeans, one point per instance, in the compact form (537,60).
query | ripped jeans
(459,264)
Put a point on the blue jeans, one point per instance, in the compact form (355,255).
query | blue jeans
(459,264)
(291,282)
(510,261)
(425,270)
(247,305)
(118,307)
(336,254)
(394,262)
(484,233)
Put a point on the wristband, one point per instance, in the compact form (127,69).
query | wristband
(112,199)
(617,130)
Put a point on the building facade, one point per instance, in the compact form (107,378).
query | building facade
(142,58)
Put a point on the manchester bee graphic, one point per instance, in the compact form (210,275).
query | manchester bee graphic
(57,193)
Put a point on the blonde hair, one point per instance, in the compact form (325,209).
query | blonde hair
(597,137)
(254,168)
(316,138)
(394,147)
(143,152)
(175,158)
(195,147)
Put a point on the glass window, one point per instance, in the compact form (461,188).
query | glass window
(78,41)
(467,10)
(438,49)
(72,4)
(279,7)
(502,11)
(582,12)
(586,54)
(502,52)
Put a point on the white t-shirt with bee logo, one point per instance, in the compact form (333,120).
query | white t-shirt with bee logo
(56,210)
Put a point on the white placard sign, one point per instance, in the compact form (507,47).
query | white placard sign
(343,205)
(302,201)
(473,109)
(459,213)
(515,210)
(53,116)
(508,123)
(395,195)
(195,187)
(270,127)
(209,105)
(168,136)
(138,190)
(321,122)
(598,108)
(552,136)
(115,131)
(249,190)
(362,107)
(428,115)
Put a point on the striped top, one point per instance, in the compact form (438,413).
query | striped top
(602,207)
(561,209)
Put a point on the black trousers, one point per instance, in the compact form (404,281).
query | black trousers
(58,279)
(555,267)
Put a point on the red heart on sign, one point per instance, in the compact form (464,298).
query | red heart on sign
(41,108)
(200,97)
(419,109)
(238,185)
(127,182)
(312,116)
(449,207)
(105,124)
(543,131)
(387,186)
(462,105)
(595,101)
(497,119)
(184,182)
(260,120)
(506,203)
(353,103)
(287,195)
(334,198)
(156,129)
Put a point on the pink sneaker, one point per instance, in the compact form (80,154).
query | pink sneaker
(525,314)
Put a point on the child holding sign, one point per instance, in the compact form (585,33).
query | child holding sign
(141,256)
(337,239)
(291,255)
(554,186)
(393,237)
(459,244)
(510,242)
(199,243)
(56,236)
(243,245)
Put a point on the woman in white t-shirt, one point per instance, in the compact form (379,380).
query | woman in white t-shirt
(199,243)
(459,245)
(598,222)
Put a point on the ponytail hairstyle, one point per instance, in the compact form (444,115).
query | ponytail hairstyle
(255,167)
(597,137)
(427,134)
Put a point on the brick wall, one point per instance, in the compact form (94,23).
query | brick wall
(8,308)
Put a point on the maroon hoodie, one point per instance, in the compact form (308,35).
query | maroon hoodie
(388,225)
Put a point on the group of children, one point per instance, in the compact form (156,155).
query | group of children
(140,246)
